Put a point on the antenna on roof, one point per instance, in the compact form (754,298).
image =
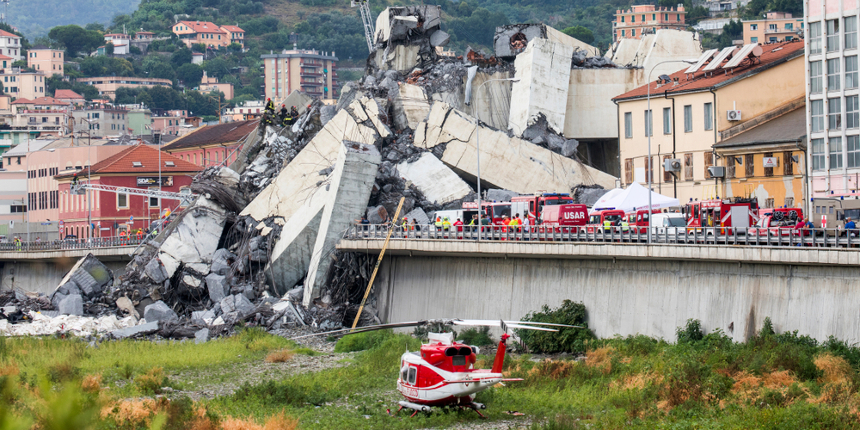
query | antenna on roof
(6,14)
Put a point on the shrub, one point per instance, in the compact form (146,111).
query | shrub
(280,356)
(152,381)
(690,333)
(61,372)
(476,336)
(362,341)
(567,339)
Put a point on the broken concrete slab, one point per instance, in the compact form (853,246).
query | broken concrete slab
(159,312)
(125,304)
(88,276)
(398,23)
(402,58)
(434,179)
(217,286)
(439,38)
(419,216)
(142,329)
(511,40)
(508,163)
(203,317)
(155,271)
(72,305)
(298,99)
(237,303)
(444,125)
(351,184)
(222,261)
(410,106)
(196,237)
(298,181)
(201,336)
(543,70)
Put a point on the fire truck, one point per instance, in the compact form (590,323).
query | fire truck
(533,205)
(727,215)
(778,222)
(491,210)
(639,220)
(563,218)
(596,219)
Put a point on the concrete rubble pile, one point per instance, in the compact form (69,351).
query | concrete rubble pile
(258,244)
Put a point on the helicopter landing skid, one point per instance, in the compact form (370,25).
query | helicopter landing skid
(428,409)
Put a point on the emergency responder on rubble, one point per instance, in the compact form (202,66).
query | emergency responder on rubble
(294,113)
(270,107)
(284,113)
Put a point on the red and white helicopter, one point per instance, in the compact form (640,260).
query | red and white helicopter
(441,373)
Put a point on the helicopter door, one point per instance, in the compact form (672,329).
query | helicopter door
(410,378)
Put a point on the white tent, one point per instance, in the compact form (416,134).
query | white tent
(634,197)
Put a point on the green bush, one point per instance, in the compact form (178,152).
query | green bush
(567,339)
(362,341)
(692,332)
(476,336)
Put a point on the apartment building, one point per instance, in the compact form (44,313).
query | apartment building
(45,115)
(833,99)
(46,60)
(100,121)
(121,42)
(639,20)
(695,108)
(20,84)
(776,27)
(208,33)
(10,45)
(310,71)
(107,85)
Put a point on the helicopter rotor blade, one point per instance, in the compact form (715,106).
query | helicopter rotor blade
(498,323)
(365,329)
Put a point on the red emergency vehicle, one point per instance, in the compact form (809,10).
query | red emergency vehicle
(724,214)
(533,205)
(638,220)
(492,210)
(596,220)
(563,218)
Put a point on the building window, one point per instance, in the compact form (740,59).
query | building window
(817,111)
(730,166)
(667,120)
(688,167)
(753,27)
(749,165)
(815,37)
(850,32)
(628,171)
(833,35)
(628,125)
(709,161)
(787,164)
(633,32)
(122,201)
(768,171)
(789,26)
(834,114)
(649,125)
(709,116)
(851,112)
(833,75)
(688,118)
(772,27)
(835,152)
(853,151)
(753,39)
(632,18)
(815,80)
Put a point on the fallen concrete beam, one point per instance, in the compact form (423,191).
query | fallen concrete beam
(509,163)
(298,99)
(410,107)
(195,239)
(398,23)
(436,181)
(543,70)
(510,40)
(349,190)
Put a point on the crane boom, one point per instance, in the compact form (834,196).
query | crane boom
(366,20)
(187,197)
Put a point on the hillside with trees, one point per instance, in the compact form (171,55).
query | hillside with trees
(35,18)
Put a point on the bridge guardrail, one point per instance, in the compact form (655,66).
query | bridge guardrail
(72,244)
(815,237)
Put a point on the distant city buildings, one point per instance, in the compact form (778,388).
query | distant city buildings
(10,45)
(107,85)
(209,34)
(776,27)
(46,60)
(639,20)
(310,71)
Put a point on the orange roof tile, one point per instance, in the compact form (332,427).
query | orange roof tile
(202,26)
(5,57)
(232,28)
(147,156)
(41,101)
(772,55)
(5,33)
(67,94)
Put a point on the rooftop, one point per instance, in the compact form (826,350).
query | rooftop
(790,127)
(230,132)
(40,101)
(67,94)
(4,33)
(772,55)
(232,28)
(147,157)
(202,26)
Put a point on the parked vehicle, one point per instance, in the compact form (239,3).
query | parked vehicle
(638,220)
(830,212)
(670,224)
(596,219)
(776,224)
(727,215)
(563,218)
(532,206)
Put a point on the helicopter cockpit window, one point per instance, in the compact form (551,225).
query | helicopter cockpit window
(404,373)
(411,378)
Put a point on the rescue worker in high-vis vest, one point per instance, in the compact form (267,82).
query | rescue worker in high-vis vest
(625,227)
(446,223)
(270,107)
(607,225)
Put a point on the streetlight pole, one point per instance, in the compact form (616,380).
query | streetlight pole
(649,130)
(90,227)
(478,144)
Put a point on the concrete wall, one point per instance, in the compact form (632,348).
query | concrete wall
(650,297)
(589,101)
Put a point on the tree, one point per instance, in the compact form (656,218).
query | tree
(76,39)
(217,67)
(189,74)
(181,56)
(580,33)
(109,48)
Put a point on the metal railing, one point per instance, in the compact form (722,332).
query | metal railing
(72,244)
(785,237)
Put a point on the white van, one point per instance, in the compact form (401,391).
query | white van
(669,223)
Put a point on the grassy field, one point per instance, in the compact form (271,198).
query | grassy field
(703,381)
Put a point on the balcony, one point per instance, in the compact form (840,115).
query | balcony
(311,74)
(304,82)
(779,31)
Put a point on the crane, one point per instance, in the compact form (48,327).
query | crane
(184,197)
(366,19)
